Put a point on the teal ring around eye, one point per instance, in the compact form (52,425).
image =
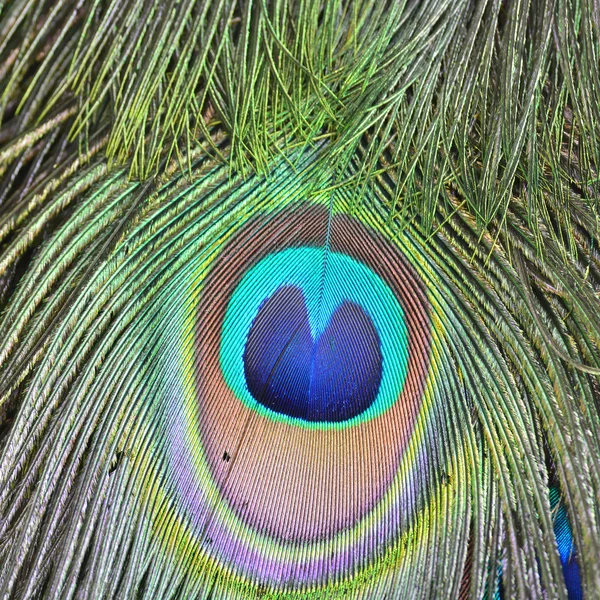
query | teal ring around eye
(326,282)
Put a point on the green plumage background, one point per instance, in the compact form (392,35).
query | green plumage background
(139,139)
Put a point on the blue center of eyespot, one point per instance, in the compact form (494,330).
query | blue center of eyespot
(332,377)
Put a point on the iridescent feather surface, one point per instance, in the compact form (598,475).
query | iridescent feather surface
(299,299)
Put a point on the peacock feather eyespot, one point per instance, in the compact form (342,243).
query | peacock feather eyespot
(311,357)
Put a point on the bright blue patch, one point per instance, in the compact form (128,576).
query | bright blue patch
(332,378)
(315,337)
(566,547)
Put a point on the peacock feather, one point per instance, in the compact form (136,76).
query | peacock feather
(299,299)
